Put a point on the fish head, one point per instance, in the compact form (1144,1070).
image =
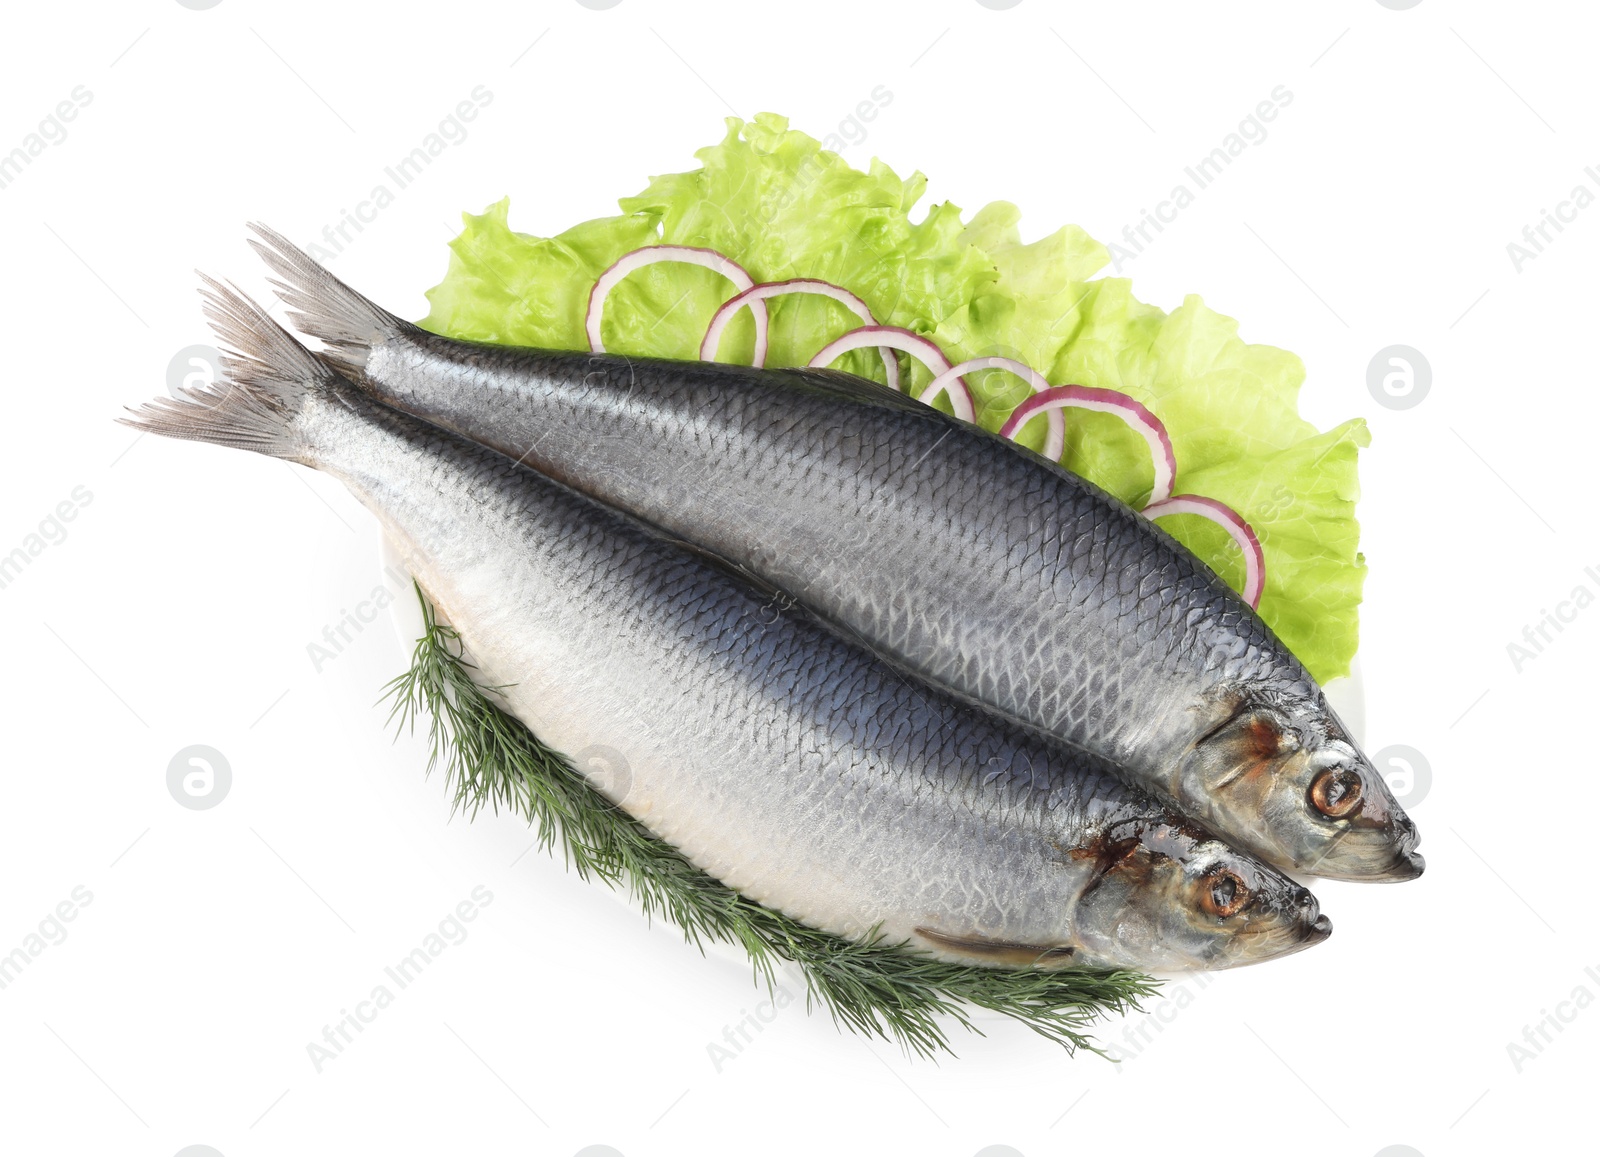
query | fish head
(1280,774)
(1167,896)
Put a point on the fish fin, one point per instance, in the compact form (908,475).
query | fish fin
(762,585)
(856,389)
(1245,741)
(256,403)
(323,306)
(1009,953)
(792,607)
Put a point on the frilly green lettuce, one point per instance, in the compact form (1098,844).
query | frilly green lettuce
(774,201)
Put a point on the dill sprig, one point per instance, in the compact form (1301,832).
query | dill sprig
(873,987)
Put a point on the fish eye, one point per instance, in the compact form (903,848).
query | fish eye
(1336,792)
(1223,893)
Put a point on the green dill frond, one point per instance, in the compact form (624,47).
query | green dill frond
(872,987)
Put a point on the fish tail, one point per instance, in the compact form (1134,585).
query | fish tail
(258,401)
(323,306)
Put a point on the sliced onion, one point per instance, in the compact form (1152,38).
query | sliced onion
(1255,563)
(649,255)
(1141,420)
(918,347)
(1055,440)
(708,347)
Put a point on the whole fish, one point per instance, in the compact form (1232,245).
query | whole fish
(983,567)
(781,757)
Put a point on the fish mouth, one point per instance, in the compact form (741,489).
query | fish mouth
(1404,863)
(1407,866)
(1377,854)
(1408,863)
(1248,952)
(1256,945)
(1311,934)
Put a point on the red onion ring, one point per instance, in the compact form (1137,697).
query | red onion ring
(918,347)
(1255,563)
(650,255)
(1055,440)
(725,313)
(1141,420)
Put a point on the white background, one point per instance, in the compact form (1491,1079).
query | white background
(178,609)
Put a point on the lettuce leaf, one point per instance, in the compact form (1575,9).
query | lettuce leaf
(781,206)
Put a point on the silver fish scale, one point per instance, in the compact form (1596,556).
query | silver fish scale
(784,759)
(1012,581)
